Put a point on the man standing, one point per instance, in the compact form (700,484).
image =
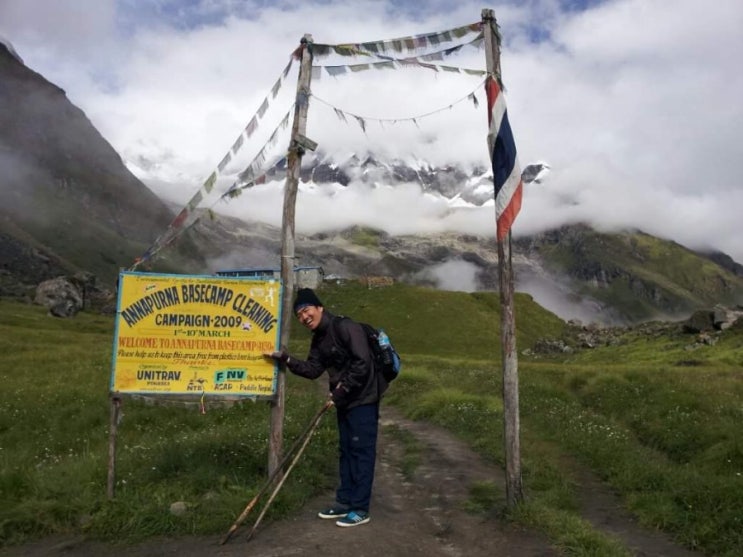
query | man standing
(340,347)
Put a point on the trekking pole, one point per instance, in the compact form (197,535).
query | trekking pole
(288,470)
(303,437)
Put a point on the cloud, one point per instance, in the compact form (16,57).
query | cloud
(458,276)
(635,106)
(558,298)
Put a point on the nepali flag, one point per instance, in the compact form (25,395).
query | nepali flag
(506,171)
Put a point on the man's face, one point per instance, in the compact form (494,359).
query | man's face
(310,316)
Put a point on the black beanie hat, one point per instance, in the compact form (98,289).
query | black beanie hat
(306,297)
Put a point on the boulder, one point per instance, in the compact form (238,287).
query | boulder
(726,317)
(700,321)
(551,346)
(718,318)
(61,296)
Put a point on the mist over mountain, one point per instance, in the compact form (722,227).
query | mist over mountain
(65,191)
(68,203)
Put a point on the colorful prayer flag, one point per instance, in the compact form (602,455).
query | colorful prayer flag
(506,172)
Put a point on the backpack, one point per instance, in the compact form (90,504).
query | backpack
(385,357)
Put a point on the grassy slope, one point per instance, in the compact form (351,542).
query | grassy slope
(657,421)
(647,273)
(54,439)
(437,323)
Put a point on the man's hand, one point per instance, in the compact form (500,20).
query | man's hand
(280,356)
(339,394)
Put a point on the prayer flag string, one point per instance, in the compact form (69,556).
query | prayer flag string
(185,218)
(409,44)
(343,115)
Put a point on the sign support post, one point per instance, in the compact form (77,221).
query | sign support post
(294,163)
(113,427)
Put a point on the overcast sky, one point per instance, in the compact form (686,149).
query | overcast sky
(634,103)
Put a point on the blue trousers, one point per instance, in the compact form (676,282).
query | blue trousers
(357,440)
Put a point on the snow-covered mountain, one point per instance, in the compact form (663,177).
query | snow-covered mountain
(460,185)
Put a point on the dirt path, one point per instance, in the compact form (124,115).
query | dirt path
(420,517)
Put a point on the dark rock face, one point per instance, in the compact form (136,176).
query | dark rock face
(325,173)
(42,128)
(31,264)
(64,191)
(725,261)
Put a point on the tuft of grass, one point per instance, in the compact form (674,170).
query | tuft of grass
(485,498)
(573,535)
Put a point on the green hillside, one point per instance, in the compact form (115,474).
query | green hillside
(638,275)
(440,323)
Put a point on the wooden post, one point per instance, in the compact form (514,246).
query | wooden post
(514,489)
(113,427)
(294,163)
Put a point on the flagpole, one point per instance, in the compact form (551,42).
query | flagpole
(514,488)
(297,146)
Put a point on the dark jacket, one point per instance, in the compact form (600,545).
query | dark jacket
(340,347)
